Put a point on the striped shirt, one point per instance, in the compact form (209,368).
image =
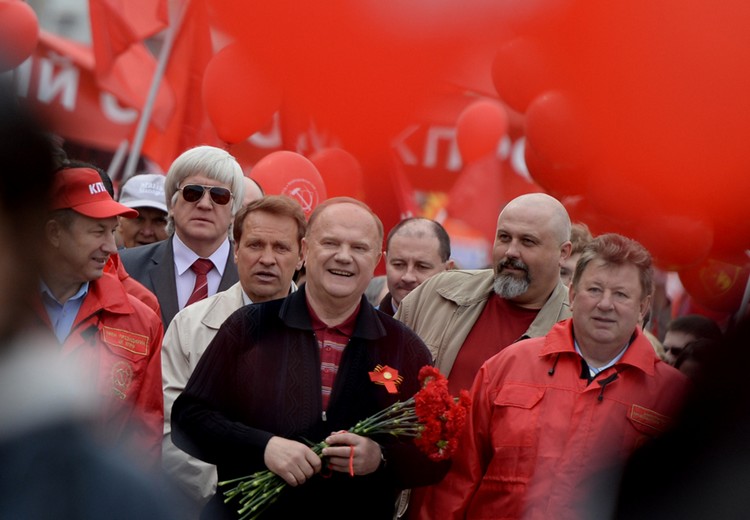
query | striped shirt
(331,343)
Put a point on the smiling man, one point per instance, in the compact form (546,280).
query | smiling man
(548,414)
(284,372)
(114,336)
(204,188)
(268,236)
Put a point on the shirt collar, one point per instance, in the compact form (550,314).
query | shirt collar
(184,256)
(47,292)
(346,327)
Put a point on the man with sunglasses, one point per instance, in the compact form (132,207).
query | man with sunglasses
(204,188)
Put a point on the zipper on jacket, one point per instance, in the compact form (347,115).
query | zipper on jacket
(323,416)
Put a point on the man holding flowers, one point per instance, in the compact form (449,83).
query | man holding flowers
(281,376)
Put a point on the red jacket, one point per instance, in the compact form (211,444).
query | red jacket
(132,286)
(117,339)
(537,430)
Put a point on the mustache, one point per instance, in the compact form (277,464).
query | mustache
(513,263)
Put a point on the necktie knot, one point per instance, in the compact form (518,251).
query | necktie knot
(202,266)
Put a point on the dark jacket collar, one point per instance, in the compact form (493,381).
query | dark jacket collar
(294,314)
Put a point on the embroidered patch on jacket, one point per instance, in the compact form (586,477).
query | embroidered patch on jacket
(649,418)
(387,376)
(124,339)
(122,378)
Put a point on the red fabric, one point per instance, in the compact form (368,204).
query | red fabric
(118,24)
(133,286)
(200,267)
(189,125)
(500,324)
(536,435)
(117,340)
(72,100)
(123,64)
(331,341)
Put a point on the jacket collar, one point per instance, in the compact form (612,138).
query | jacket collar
(216,314)
(640,354)
(466,292)
(294,314)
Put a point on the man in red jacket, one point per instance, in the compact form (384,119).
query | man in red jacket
(549,413)
(112,335)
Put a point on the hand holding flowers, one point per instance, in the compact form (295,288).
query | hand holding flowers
(432,417)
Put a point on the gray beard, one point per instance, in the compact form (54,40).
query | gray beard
(507,286)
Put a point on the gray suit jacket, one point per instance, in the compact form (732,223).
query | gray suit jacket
(153,266)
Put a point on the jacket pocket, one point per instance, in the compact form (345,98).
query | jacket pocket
(515,415)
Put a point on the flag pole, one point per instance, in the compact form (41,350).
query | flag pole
(140,133)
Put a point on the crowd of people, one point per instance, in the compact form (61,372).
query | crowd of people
(193,329)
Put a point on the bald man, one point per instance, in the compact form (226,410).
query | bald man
(465,317)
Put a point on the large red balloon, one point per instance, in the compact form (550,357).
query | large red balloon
(341,172)
(479,129)
(289,173)
(240,98)
(19,33)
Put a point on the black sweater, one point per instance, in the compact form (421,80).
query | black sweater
(260,377)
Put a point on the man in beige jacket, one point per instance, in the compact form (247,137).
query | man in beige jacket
(267,250)
(467,316)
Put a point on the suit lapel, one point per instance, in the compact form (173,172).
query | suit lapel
(163,280)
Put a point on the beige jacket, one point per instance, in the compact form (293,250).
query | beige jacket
(444,309)
(187,337)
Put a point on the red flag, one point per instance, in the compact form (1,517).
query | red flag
(123,64)
(118,24)
(189,125)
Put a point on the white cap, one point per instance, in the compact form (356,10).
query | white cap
(144,191)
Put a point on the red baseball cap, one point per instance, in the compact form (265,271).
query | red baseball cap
(82,190)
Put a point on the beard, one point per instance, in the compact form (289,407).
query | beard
(508,286)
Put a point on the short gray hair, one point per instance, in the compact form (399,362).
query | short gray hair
(211,162)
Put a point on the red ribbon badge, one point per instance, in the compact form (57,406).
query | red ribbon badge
(387,376)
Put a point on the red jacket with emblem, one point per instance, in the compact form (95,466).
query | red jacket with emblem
(538,431)
(117,339)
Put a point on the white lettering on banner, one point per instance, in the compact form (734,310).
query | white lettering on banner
(270,139)
(97,187)
(517,159)
(399,145)
(64,83)
(435,134)
(116,112)
(22,78)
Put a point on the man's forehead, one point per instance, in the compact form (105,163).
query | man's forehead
(423,247)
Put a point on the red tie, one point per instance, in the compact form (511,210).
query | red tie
(200,267)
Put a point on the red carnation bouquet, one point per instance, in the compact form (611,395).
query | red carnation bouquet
(432,417)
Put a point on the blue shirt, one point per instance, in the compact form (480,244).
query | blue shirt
(63,315)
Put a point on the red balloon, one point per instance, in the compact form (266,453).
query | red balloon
(717,283)
(521,72)
(479,129)
(341,172)
(289,173)
(555,153)
(19,33)
(240,98)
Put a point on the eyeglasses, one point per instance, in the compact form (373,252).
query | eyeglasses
(194,193)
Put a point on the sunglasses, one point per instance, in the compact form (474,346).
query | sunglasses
(194,193)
